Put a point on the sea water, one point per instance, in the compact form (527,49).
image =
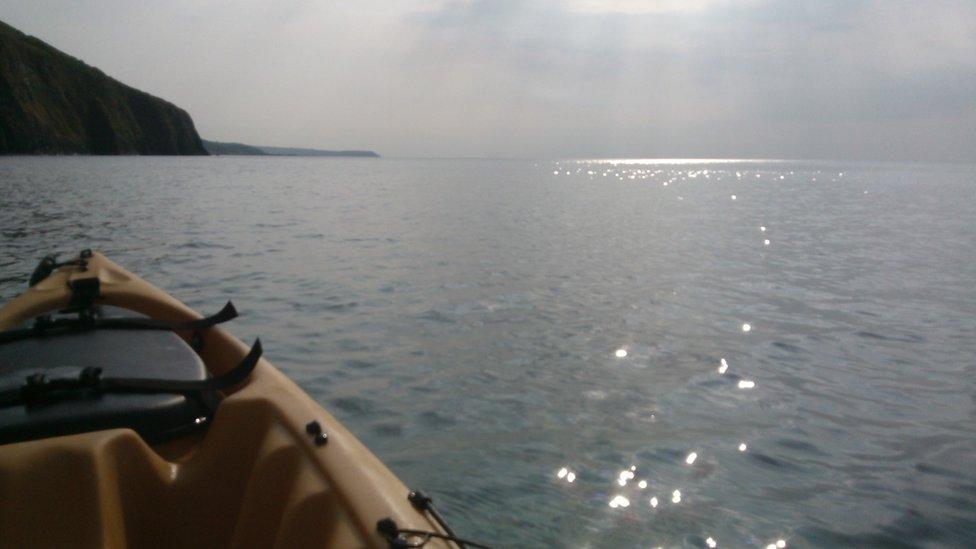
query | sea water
(584,353)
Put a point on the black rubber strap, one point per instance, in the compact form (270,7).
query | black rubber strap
(84,292)
(229,312)
(423,502)
(37,387)
(405,537)
(62,325)
(43,269)
(50,264)
(145,385)
(399,538)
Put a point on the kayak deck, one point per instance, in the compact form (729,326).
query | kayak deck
(257,476)
(116,352)
(248,482)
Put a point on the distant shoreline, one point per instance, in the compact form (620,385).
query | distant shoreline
(218,148)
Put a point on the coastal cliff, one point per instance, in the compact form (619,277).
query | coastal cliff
(52,103)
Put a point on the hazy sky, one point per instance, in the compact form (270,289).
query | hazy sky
(883,79)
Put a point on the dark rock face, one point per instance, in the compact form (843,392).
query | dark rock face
(52,103)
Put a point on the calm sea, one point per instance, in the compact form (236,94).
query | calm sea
(584,354)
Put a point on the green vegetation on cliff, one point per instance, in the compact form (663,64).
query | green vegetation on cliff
(52,103)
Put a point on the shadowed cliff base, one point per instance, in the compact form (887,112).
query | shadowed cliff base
(52,103)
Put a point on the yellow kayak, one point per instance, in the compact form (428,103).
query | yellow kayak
(129,420)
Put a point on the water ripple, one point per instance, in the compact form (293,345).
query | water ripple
(483,325)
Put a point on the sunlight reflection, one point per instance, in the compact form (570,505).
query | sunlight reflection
(654,502)
(733,197)
(619,501)
(747,384)
(642,484)
(676,161)
(566,474)
(624,476)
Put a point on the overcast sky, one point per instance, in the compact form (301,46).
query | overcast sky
(838,79)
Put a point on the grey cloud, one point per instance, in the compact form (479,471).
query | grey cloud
(764,78)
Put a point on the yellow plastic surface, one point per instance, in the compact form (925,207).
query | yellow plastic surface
(254,478)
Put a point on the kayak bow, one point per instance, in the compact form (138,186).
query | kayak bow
(162,440)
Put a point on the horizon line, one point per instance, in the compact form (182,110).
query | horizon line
(677,160)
